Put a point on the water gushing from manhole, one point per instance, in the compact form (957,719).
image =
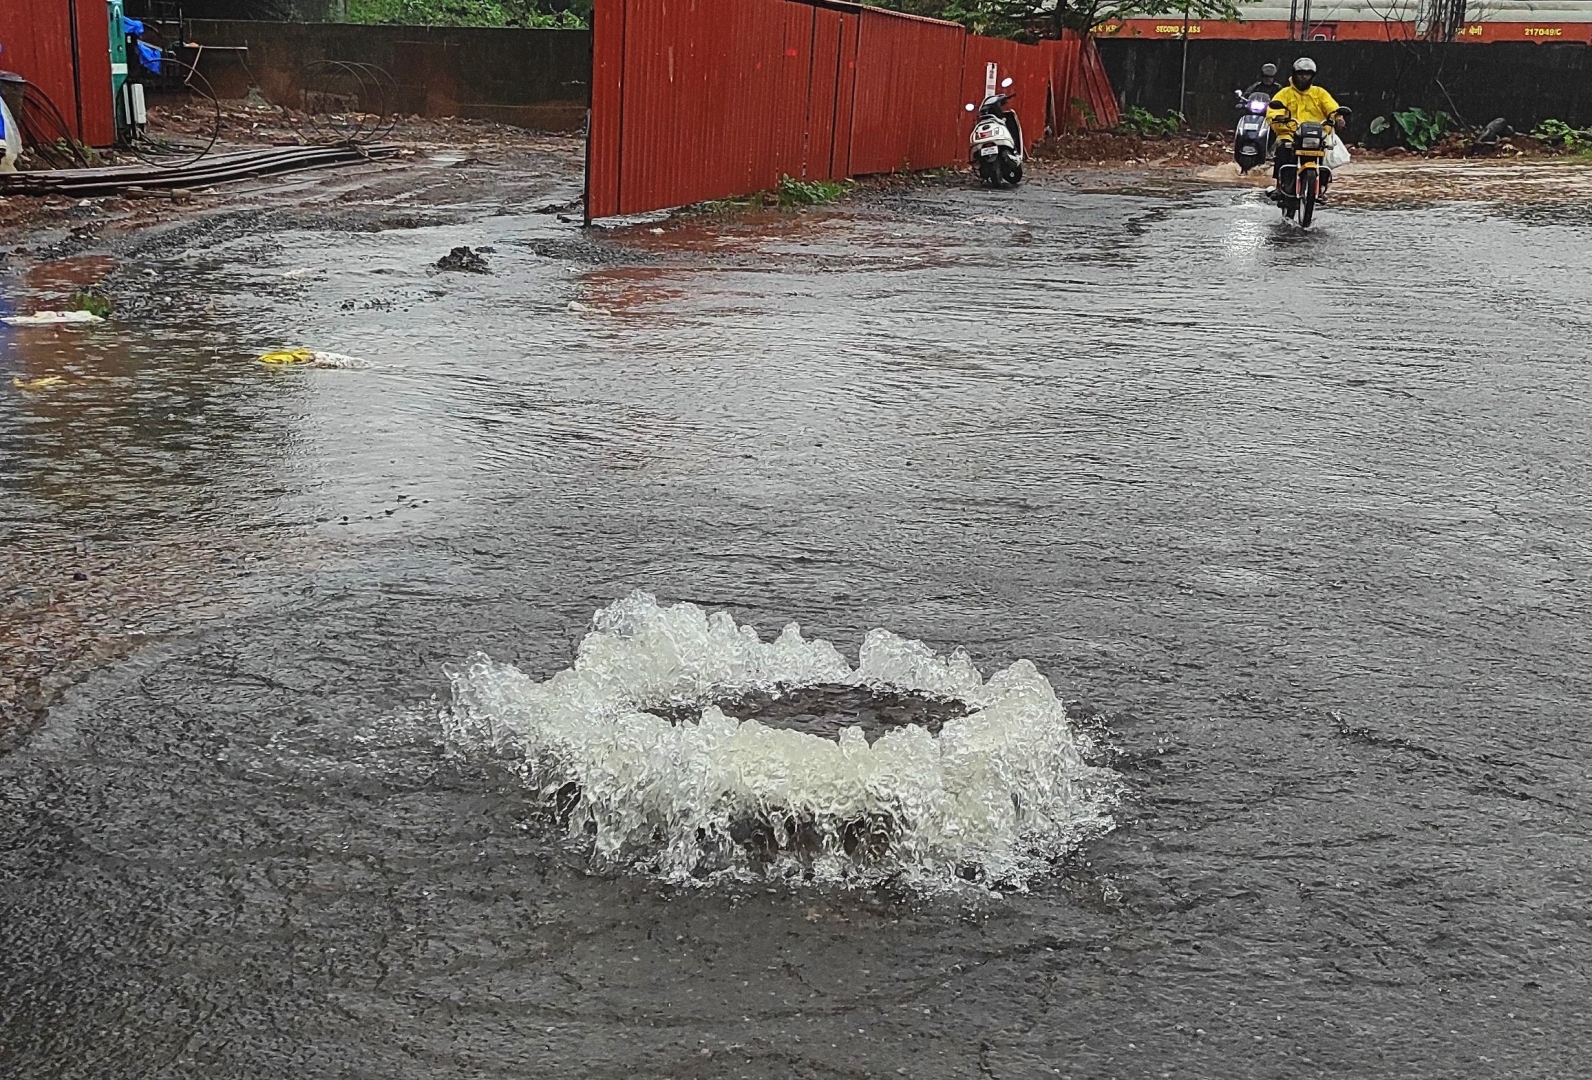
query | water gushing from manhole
(683,745)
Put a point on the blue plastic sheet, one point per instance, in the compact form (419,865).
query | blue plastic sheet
(149,56)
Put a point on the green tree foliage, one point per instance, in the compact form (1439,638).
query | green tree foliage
(1032,19)
(535,14)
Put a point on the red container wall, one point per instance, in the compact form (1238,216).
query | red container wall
(36,36)
(908,108)
(707,99)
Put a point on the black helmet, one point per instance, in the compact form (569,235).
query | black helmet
(1268,70)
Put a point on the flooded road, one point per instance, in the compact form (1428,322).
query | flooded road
(1304,515)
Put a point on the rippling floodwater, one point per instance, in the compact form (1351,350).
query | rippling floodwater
(1305,515)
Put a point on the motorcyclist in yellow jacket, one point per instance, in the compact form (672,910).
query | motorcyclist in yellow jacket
(1305,103)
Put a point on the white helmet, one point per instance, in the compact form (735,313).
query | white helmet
(1304,63)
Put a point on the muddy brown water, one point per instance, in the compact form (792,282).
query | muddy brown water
(1305,515)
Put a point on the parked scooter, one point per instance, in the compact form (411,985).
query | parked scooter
(1252,139)
(996,145)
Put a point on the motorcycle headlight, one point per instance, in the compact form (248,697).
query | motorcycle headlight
(1310,144)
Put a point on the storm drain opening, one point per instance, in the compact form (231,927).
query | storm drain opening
(680,744)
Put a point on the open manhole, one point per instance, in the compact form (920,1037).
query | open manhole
(683,745)
(827,709)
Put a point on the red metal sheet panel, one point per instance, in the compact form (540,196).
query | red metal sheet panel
(1102,101)
(845,94)
(788,136)
(908,107)
(602,138)
(818,155)
(98,118)
(1067,77)
(704,86)
(36,36)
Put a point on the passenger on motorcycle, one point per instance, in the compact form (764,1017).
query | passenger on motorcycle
(1306,103)
(1267,84)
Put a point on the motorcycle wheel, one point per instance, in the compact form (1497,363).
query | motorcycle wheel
(1307,199)
(989,171)
(1009,171)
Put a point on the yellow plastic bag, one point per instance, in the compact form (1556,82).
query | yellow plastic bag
(43,382)
(288,356)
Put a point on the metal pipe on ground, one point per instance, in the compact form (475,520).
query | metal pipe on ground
(211,170)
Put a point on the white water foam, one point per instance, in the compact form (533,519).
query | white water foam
(995,798)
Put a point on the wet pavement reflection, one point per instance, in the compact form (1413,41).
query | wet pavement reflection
(1305,515)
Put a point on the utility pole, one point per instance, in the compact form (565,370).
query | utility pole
(1182,86)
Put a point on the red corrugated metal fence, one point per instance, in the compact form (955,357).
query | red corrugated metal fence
(906,113)
(705,99)
(37,42)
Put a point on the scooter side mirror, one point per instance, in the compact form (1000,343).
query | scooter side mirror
(970,107)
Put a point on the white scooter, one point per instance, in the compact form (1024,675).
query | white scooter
(996,146)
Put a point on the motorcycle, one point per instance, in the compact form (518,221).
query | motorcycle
(1305,175)
(1252,138)
(995,149)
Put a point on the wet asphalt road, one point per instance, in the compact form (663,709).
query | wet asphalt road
(1306,515)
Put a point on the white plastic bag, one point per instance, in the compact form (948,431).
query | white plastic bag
(1337,153)
(10,140)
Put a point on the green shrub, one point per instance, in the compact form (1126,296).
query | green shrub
(1558,133)
(1140,121)
(1418,129)
(793,192)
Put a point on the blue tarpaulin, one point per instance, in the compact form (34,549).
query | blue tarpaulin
(148,55)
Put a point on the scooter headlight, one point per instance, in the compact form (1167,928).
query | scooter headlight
(1257,106)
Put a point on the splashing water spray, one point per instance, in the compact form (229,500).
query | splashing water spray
(680,744)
